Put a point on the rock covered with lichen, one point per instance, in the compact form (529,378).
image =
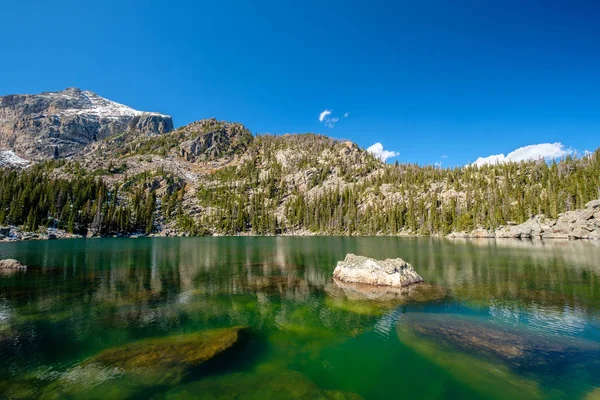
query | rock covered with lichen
(368,271)
(10,264)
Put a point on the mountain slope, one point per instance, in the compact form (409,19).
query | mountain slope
(215,177)
(60,124)
(235,183)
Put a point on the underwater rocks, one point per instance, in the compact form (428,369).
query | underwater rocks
(10,265)
(593,395)
(395,273)
(519,349)
(168,359)
(381,294)
(377,300)
(487,379)
(281,384)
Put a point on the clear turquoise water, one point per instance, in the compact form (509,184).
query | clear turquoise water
(80,297)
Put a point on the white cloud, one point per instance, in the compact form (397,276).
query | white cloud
(444,156)
(496,159)
(547,151)
(326,118)
(330,122)
(378,151)
(346,115)
(437,164)
(324,115)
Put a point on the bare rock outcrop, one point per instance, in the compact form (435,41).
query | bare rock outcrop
(395,273)
(60,124)
(213,139)
(577,224)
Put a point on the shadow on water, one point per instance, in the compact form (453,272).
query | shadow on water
(250,350)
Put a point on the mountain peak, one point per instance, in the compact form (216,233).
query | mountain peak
(59,124)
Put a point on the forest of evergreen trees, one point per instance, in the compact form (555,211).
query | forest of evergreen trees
(400,198)
(31,199)
(257,196)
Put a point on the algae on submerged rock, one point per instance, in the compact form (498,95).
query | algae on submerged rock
(489,380)
(141,368)
(259,385)
(169,358)
(520,349)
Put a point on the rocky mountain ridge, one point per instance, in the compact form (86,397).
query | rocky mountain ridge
(60,124)
(137,176)
(311,184)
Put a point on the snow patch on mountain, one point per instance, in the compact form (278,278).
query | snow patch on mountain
(8,158)
(88,103)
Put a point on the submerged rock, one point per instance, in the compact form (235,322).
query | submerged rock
(519,349)
(17,388)
(395,273)
(593,395)
(167,360)
(376,300)
(281,384)
(489,380)
(414,293)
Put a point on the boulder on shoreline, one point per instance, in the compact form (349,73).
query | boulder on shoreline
(575,224)
(395,272)
(11,265)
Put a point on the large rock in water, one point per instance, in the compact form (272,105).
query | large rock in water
(11,265)
(395,272)
(59,124)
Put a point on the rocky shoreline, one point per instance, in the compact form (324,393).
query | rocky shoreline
(14,234)
(578,224)
(572,225)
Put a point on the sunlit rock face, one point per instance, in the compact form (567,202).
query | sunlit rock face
(60,124)
(395,273)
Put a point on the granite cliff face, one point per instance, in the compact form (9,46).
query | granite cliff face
(212,139)
(59,124)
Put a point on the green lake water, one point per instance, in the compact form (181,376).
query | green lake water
(509,319)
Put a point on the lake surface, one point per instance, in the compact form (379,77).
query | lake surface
(507,319)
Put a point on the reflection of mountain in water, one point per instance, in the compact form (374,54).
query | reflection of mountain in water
(83,296)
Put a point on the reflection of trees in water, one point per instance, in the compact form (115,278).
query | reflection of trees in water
(122,289)
(480,269)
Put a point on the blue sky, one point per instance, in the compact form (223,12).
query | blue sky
(426,79)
